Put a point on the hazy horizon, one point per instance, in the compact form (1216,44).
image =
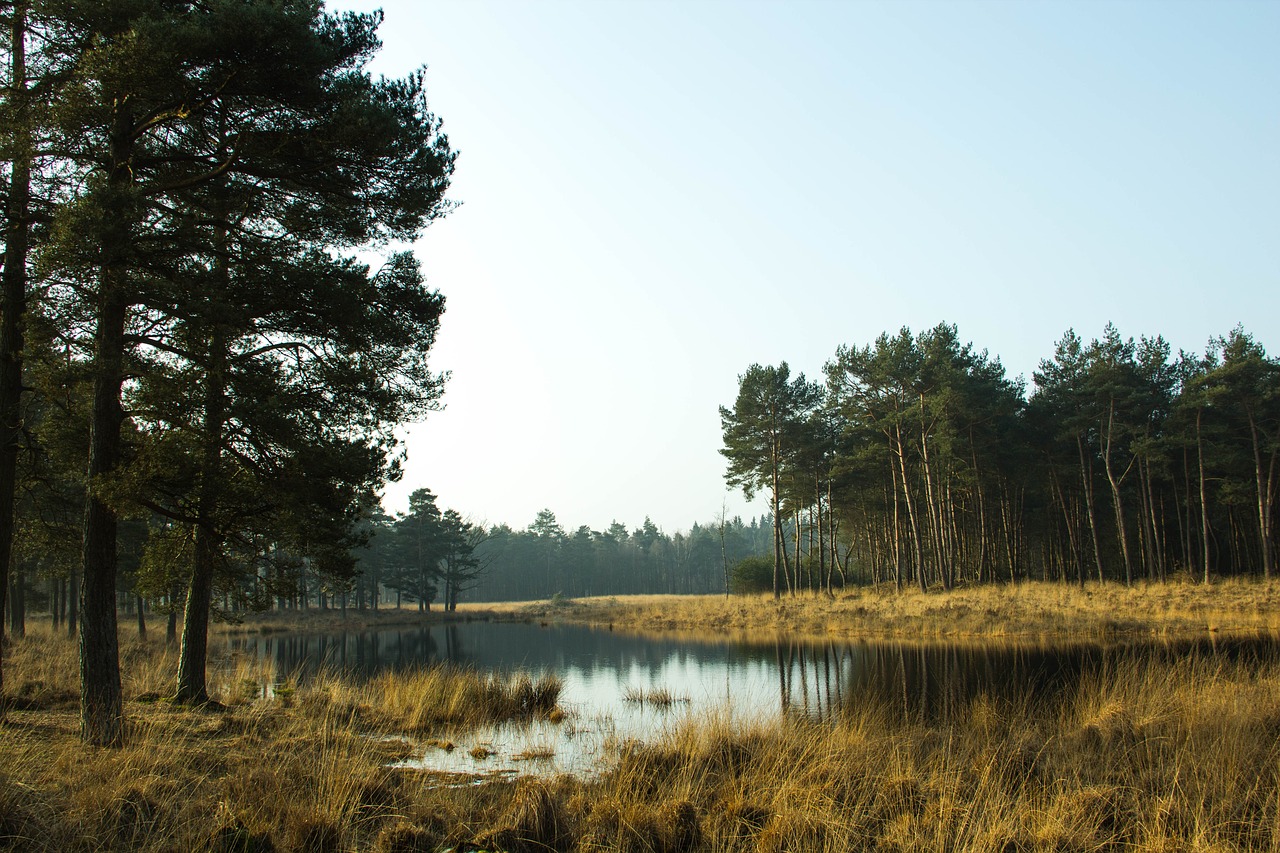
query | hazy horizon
(655,195)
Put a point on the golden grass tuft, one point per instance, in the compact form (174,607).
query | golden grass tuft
(659,697)
(407,838)
(534,821)
(670,827)
(422,699)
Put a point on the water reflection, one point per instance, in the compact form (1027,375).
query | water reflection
(817,679)
(601,670)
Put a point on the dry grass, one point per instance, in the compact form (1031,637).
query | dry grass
(335,619)
(307,769)
(660,697)
(1025,611)
(1142,756)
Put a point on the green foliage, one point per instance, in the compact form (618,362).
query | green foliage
(214,181)
(426,552)
(524,565)
(1124,462)
(754,574)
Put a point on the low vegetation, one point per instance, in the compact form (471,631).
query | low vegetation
(1142,756)
(660,697)
(1033,610)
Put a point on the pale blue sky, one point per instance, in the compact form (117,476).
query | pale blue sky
(657,194)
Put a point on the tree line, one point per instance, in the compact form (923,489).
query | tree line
(545,560)
(426,556)
(207,334)
(918,460)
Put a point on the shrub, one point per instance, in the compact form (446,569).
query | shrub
(754,574)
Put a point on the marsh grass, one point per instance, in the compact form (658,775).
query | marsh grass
(336,619)
(1139,756)
(535,753)
(1029,610)
(660,697)
(421,699)
(1143,755)
(305,768)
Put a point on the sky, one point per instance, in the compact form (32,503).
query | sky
(655,195)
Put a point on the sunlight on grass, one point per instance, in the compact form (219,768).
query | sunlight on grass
(1144,755)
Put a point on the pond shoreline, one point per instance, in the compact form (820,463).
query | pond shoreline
(1180,756)
(1030,610)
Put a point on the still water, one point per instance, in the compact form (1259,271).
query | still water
(603,672)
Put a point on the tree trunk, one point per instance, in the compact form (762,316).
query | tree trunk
(911,517)
(1121,531)
(18,607)
(171,624)
(1204,504)
(932,506)
(193,653)
(1086,477)
(897,531)
(55,603)
(799,561)
(13,296)
(101,722)
(1155,552)
(1265,486)
(1070,525)
(984,571)
(192,687)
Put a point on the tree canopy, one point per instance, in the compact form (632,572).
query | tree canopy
(199,226)
(1122,462)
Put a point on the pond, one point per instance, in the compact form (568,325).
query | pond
(611,679)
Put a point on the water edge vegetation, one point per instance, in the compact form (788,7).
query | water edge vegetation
(1137,756)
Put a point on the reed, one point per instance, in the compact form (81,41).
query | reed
(307,768)
(1144,756)
(660,697)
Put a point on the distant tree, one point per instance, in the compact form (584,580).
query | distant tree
(548,537)
(461,568)
(752,575)
(372,555)
(1245,386)
(761,438)
(420,546)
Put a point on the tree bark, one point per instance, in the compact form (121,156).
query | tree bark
(100,699)
(1204,504)
(13,296)
(193,653)
(101,722)
(1265,487)
(1086,478)
(1121,532)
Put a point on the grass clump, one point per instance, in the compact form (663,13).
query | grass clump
(534,821)
(659,697)
(423,699)
(307,770)
(1143,756)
